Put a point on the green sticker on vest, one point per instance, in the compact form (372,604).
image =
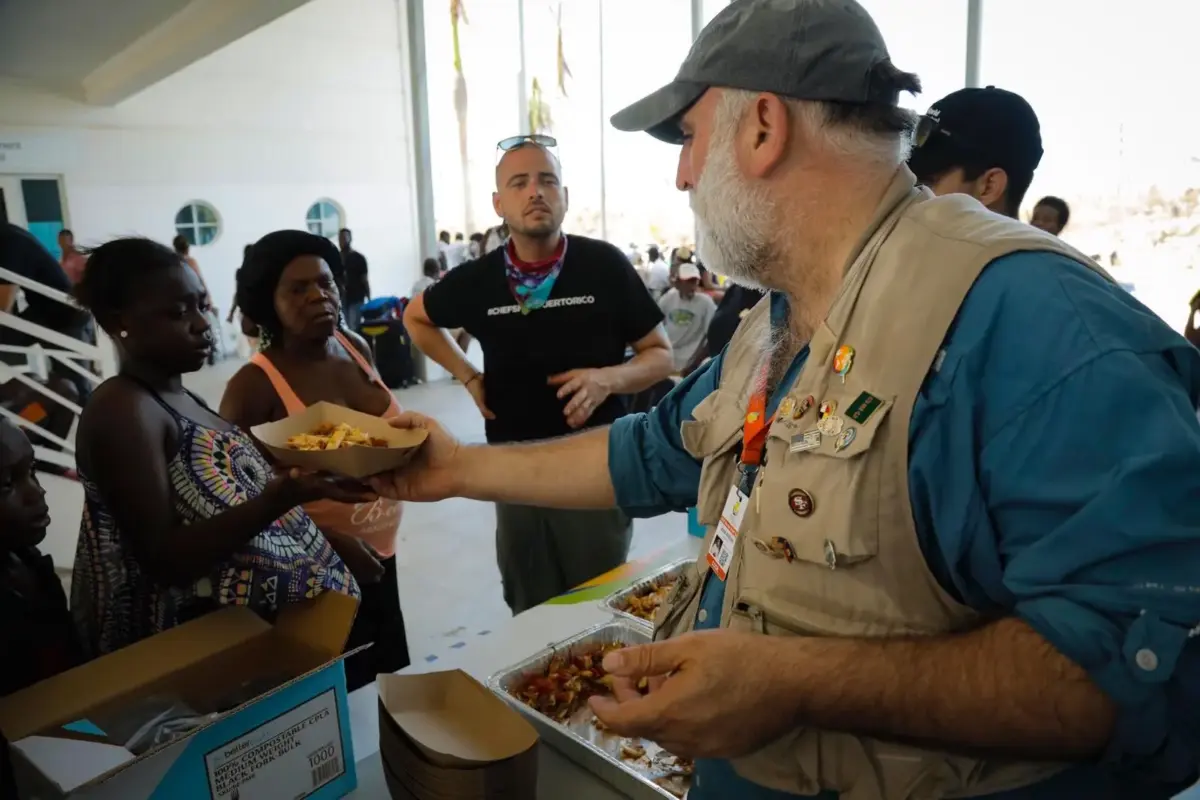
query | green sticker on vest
(863,407)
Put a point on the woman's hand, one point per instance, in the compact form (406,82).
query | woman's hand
(432,474)
(296,487)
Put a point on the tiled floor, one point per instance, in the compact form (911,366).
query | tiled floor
(449,583)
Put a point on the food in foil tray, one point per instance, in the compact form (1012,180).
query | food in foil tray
(561,693)
(645,605)
(328,436)
(567,684)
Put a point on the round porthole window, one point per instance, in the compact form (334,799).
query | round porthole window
(199,223)
(324,218)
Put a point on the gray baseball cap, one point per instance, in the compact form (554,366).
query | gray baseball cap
(803,49)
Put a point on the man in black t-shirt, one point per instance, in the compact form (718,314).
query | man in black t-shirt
(554,315)
(357,287)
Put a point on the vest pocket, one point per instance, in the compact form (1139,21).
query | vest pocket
(820,504)
(749,617)
(714,434)
(673,612)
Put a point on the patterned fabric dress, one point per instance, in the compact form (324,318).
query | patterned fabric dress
(116,604)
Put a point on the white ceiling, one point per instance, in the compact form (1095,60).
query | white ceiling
(56,44)
(102,51)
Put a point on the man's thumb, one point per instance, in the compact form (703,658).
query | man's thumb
(643,661)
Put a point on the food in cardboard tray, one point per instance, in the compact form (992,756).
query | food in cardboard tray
(645,605)
(329,436)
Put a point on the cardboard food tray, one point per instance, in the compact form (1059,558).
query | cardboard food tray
(444,734)
(353,462)
(514,778)
(615,603)
(579,740)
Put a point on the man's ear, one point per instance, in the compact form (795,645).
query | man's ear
(991,187)
(765,134)
(496,204)
(566,199)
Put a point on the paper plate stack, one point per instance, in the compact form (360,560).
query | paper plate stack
(444,736)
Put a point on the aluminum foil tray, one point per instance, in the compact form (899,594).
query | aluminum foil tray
(616,602)
(651,777)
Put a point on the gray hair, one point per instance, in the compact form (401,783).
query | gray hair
(885,142)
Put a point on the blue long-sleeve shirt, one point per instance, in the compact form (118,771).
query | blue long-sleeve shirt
(1054,473)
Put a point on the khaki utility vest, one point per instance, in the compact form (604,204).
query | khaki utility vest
(857,569)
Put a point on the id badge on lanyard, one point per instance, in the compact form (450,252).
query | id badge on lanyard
(720,549)
(754,438)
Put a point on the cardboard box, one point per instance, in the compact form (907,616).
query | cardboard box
(276,725)
(444,735)
(354,462)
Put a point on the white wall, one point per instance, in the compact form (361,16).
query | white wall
(312,105)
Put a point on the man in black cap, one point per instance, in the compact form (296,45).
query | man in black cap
(948,564)
(982,142)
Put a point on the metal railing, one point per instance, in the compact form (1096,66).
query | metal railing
(51,347)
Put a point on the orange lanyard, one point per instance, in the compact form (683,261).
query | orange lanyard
(757,425)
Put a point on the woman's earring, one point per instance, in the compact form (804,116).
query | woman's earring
(124,334)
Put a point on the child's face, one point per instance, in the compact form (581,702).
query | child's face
(24,514)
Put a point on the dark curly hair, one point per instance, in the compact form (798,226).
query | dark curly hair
(264,265)
(114,271)
(1059,205)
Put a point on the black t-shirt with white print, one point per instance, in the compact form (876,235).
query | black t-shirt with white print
(597,307)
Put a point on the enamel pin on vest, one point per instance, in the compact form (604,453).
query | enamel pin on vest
(844,439)
(801,502)
(831,425)
(843,360)
(805,406)
(803,442)
(777,547)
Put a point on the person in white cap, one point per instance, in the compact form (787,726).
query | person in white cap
(687,312)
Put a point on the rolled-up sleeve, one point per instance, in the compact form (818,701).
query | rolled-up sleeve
(1093,491)
(651,472)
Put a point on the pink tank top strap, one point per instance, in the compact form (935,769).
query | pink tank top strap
(291,401)
(375,523)
(394,405)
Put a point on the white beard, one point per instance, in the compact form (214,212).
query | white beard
(733,217)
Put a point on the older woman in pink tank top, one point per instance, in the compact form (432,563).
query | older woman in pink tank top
(288,285)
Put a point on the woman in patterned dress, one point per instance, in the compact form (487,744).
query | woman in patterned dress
(182,513)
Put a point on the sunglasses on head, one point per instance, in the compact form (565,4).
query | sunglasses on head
(927,127)
(514,142)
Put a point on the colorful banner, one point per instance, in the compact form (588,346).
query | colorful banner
(602,586)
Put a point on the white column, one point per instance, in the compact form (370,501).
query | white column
(522,76)
(603,131)
(411,19)
(974,41)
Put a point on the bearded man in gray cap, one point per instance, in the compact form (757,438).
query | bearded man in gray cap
(941,561)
